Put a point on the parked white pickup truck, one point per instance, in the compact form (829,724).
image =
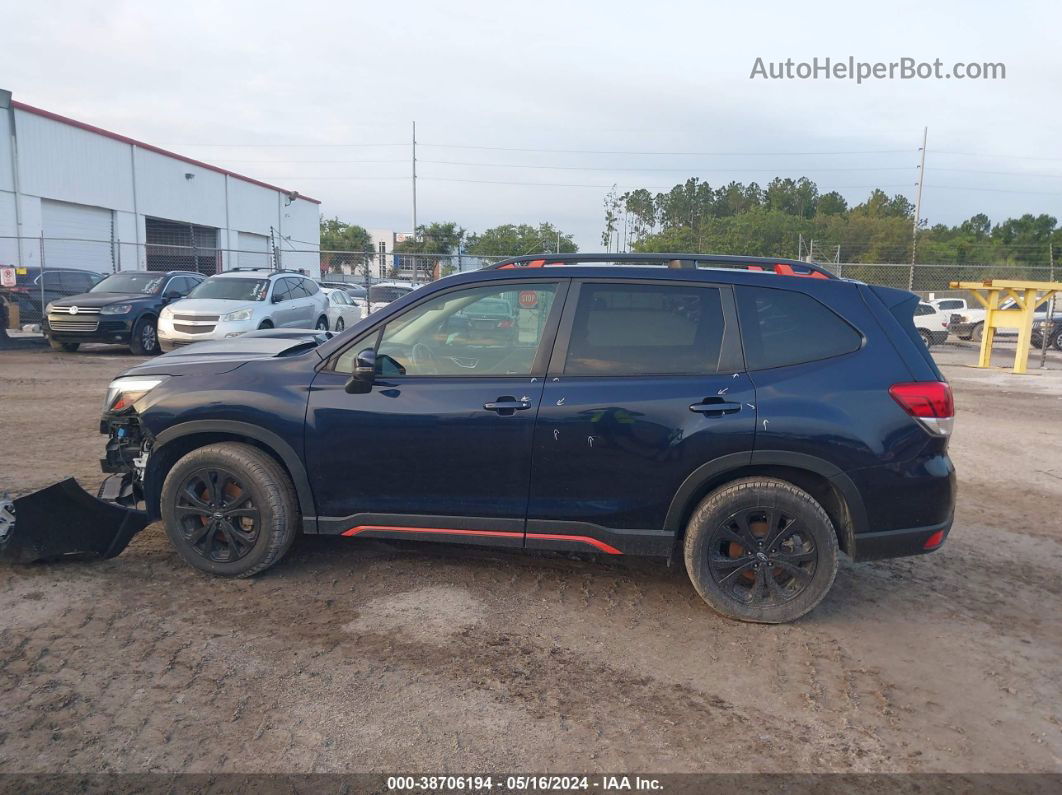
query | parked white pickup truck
(968,323)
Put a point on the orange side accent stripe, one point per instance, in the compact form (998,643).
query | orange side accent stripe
(582,539)
(601,545)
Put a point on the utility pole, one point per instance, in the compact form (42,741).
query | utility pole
(1049,319)
(918,206)
(414,200)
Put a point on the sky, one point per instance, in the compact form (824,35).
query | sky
(529,112)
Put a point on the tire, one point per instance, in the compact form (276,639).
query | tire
(927,338)
(726,522)
(1056,341)
(69,347)
(340,325)
(144,341)
(322,323)
(265,324)
(977,332)
(248,480)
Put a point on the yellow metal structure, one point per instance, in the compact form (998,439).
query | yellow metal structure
(1027,297)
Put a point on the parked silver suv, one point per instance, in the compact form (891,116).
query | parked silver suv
(242,300)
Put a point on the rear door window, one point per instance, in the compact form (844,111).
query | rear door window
(781,327)
(642,329)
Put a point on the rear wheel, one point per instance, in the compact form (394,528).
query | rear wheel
(145,337)
(340,325)
(230,509)
(760,549)
(69,347)
(322,323)
(977,332)
(927,338)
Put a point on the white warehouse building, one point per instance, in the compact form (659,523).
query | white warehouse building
(76,196)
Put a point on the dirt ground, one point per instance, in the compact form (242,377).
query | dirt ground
(357,655)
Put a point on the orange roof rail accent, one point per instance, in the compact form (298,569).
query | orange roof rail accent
(535,263)
(754,268)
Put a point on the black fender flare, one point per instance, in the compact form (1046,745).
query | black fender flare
(268,438)
(694,483)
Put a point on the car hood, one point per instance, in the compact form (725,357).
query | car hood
(212,306)
(222,356)
(100,299)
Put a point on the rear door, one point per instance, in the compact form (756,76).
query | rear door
(646,385)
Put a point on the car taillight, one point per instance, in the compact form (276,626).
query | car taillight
(929,402)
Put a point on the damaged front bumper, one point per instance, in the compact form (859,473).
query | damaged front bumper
(64,519)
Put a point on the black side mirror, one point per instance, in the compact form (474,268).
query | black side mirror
(360,381)
(275,299)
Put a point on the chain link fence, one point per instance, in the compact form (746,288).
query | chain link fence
(48,268)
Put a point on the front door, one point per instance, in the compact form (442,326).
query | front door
(646,386)
(440,447)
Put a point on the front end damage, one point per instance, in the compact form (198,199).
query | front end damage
(63,519)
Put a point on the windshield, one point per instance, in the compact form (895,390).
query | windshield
(146,283)
(232,289)
(382,294)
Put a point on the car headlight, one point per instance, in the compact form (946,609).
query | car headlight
(238,315)
(124,392)
(166,313)
(116,309)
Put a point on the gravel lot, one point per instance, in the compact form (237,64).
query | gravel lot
(357,655)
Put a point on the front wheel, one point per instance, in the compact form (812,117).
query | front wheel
(145,337)
(760,549)
(230,509)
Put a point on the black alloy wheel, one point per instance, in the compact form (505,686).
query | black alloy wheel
(217,515)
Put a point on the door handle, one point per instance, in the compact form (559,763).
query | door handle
(715,407)
(507,404)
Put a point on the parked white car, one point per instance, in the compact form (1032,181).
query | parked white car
(932,323)
(242,300)
(342,311)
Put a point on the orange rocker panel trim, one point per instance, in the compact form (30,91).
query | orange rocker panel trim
(601,545)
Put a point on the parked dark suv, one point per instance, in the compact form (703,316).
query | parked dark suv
(123,308)
(35,289)
(750,417)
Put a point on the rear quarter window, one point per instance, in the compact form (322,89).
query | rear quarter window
(783,327)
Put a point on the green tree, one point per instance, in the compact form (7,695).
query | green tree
(339,236)
(510,240)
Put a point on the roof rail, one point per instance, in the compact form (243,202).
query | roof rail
(781,266)
(248,268)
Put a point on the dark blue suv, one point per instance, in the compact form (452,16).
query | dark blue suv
(750,417)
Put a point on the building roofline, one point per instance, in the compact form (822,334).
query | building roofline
(149,147)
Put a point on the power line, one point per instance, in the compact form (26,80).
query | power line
(621,168)
(553,184)
(639,152)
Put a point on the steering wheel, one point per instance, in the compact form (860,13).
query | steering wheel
(424,360)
